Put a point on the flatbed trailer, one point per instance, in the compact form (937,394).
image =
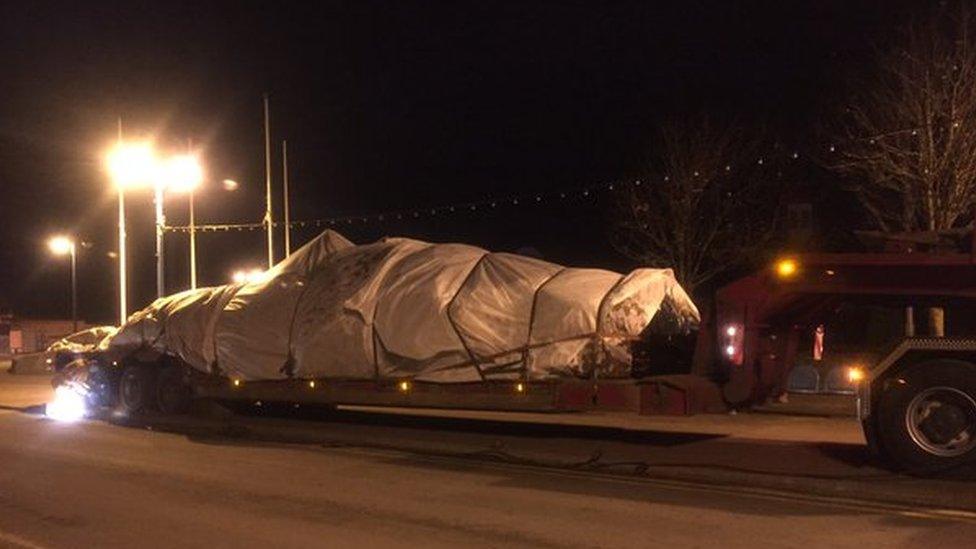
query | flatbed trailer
(169,387)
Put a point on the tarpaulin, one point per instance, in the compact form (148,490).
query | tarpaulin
(402,308)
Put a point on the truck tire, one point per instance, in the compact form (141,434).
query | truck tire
(927,417)
(137,389)
(173,394)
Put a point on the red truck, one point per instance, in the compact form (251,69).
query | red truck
(899,328)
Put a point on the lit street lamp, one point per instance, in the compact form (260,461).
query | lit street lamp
(130,166)
(181,173)
(250,276)
(62,245)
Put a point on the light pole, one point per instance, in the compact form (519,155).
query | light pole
(268,212)
(180,173)
(160,224)
(129,165)
(284,175)
(62,245)
(193,243)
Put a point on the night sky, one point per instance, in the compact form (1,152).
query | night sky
(386,106)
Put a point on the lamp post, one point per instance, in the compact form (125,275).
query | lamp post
(193,243)
(180,173)
(160,224)
(129,165)
(62,245)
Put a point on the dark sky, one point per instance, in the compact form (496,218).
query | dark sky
(386,106)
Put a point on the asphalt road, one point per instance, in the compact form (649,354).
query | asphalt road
(94,484)
(97,485)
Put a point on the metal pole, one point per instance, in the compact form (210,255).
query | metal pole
(123,309)
(193,245)
(160,223)
(193,230)
(284,169)
(74,289)
(268,217)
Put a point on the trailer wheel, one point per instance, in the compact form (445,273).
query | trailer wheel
(927,417)
(137,389)
(173,393)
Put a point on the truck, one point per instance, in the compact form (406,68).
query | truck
(410,324)
(899,329)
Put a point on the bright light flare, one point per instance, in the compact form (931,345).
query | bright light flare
(181,173)
(68,405)
(730,350)
(786,268)
(133,165)
(253,276)
(855,374)
(60,245)
(230,185)
(731,331)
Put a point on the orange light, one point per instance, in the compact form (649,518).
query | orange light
(236,383)
(855,374)
(519,387)
(404,386)
(786,268)
(311,384)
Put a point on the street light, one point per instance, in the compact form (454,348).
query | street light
(250,276)
(129,165)
(62,245)
(180,173)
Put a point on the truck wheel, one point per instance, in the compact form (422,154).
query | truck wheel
(927,417)
(137,389)
(103,389)
(173,393)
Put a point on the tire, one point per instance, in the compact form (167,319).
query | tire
(173,394)
(103,389)
(926,419)
(137,389)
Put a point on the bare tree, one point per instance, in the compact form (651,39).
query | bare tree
(908,141)
(700,207)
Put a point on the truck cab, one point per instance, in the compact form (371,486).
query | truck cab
(899,329)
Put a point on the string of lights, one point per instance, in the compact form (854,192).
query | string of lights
(489,204)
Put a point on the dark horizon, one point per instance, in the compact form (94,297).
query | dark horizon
(386,107)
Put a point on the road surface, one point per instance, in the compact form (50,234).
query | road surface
(95,484)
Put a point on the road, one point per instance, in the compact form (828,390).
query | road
(95,484)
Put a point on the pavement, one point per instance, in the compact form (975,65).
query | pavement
(431,478)
(801,404)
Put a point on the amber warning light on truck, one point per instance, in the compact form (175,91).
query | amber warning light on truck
(786,268)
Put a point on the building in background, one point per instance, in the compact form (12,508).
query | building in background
(28,335)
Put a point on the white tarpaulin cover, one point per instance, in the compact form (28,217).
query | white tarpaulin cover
(404,308)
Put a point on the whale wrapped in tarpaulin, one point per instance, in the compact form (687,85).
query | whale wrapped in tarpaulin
(404,308)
